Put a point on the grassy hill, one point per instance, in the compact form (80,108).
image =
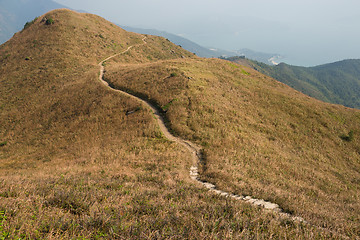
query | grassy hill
(73,164)
(260,137)
(337,82)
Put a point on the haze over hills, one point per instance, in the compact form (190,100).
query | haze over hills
(185,43)
(38,7)
(208,52)
(15,13)
(327,33)
(337,82)
(97,165)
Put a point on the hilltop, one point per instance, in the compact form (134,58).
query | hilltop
(78,160)
(337,82)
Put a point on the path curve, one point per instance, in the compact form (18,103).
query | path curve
(197,155)
(192,148)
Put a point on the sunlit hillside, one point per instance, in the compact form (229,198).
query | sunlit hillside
(74,164)
(260,137)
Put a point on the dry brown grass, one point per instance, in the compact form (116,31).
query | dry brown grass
(73,165)
(260,137)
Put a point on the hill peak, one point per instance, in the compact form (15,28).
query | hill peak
(63,33)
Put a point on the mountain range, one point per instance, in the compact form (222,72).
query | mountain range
(208,52)
(337,82)
(84,159)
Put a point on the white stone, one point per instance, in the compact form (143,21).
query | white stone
(224,194)
(209,185)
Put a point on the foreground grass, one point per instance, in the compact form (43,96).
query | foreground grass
(144,197)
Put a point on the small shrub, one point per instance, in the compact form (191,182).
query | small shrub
(49,21)
(3,143)
(349,137)
(28,24)
(173,74)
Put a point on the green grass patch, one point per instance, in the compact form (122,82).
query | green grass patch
(245,72)
(166,107)
(3,234)
(233,65)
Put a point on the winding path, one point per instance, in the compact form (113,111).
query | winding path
(192,148)
(197,156)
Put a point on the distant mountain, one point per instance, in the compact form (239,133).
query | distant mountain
(337,82)
(15,13)
(185,43)
(207,52)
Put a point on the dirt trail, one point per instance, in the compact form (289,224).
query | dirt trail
(197,156)
(194,149)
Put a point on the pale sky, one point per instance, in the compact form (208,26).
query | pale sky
(307,32)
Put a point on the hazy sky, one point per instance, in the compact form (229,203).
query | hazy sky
(307,32)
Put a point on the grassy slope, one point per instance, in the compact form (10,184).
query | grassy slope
(260,137)
(72,164)
(336,82)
